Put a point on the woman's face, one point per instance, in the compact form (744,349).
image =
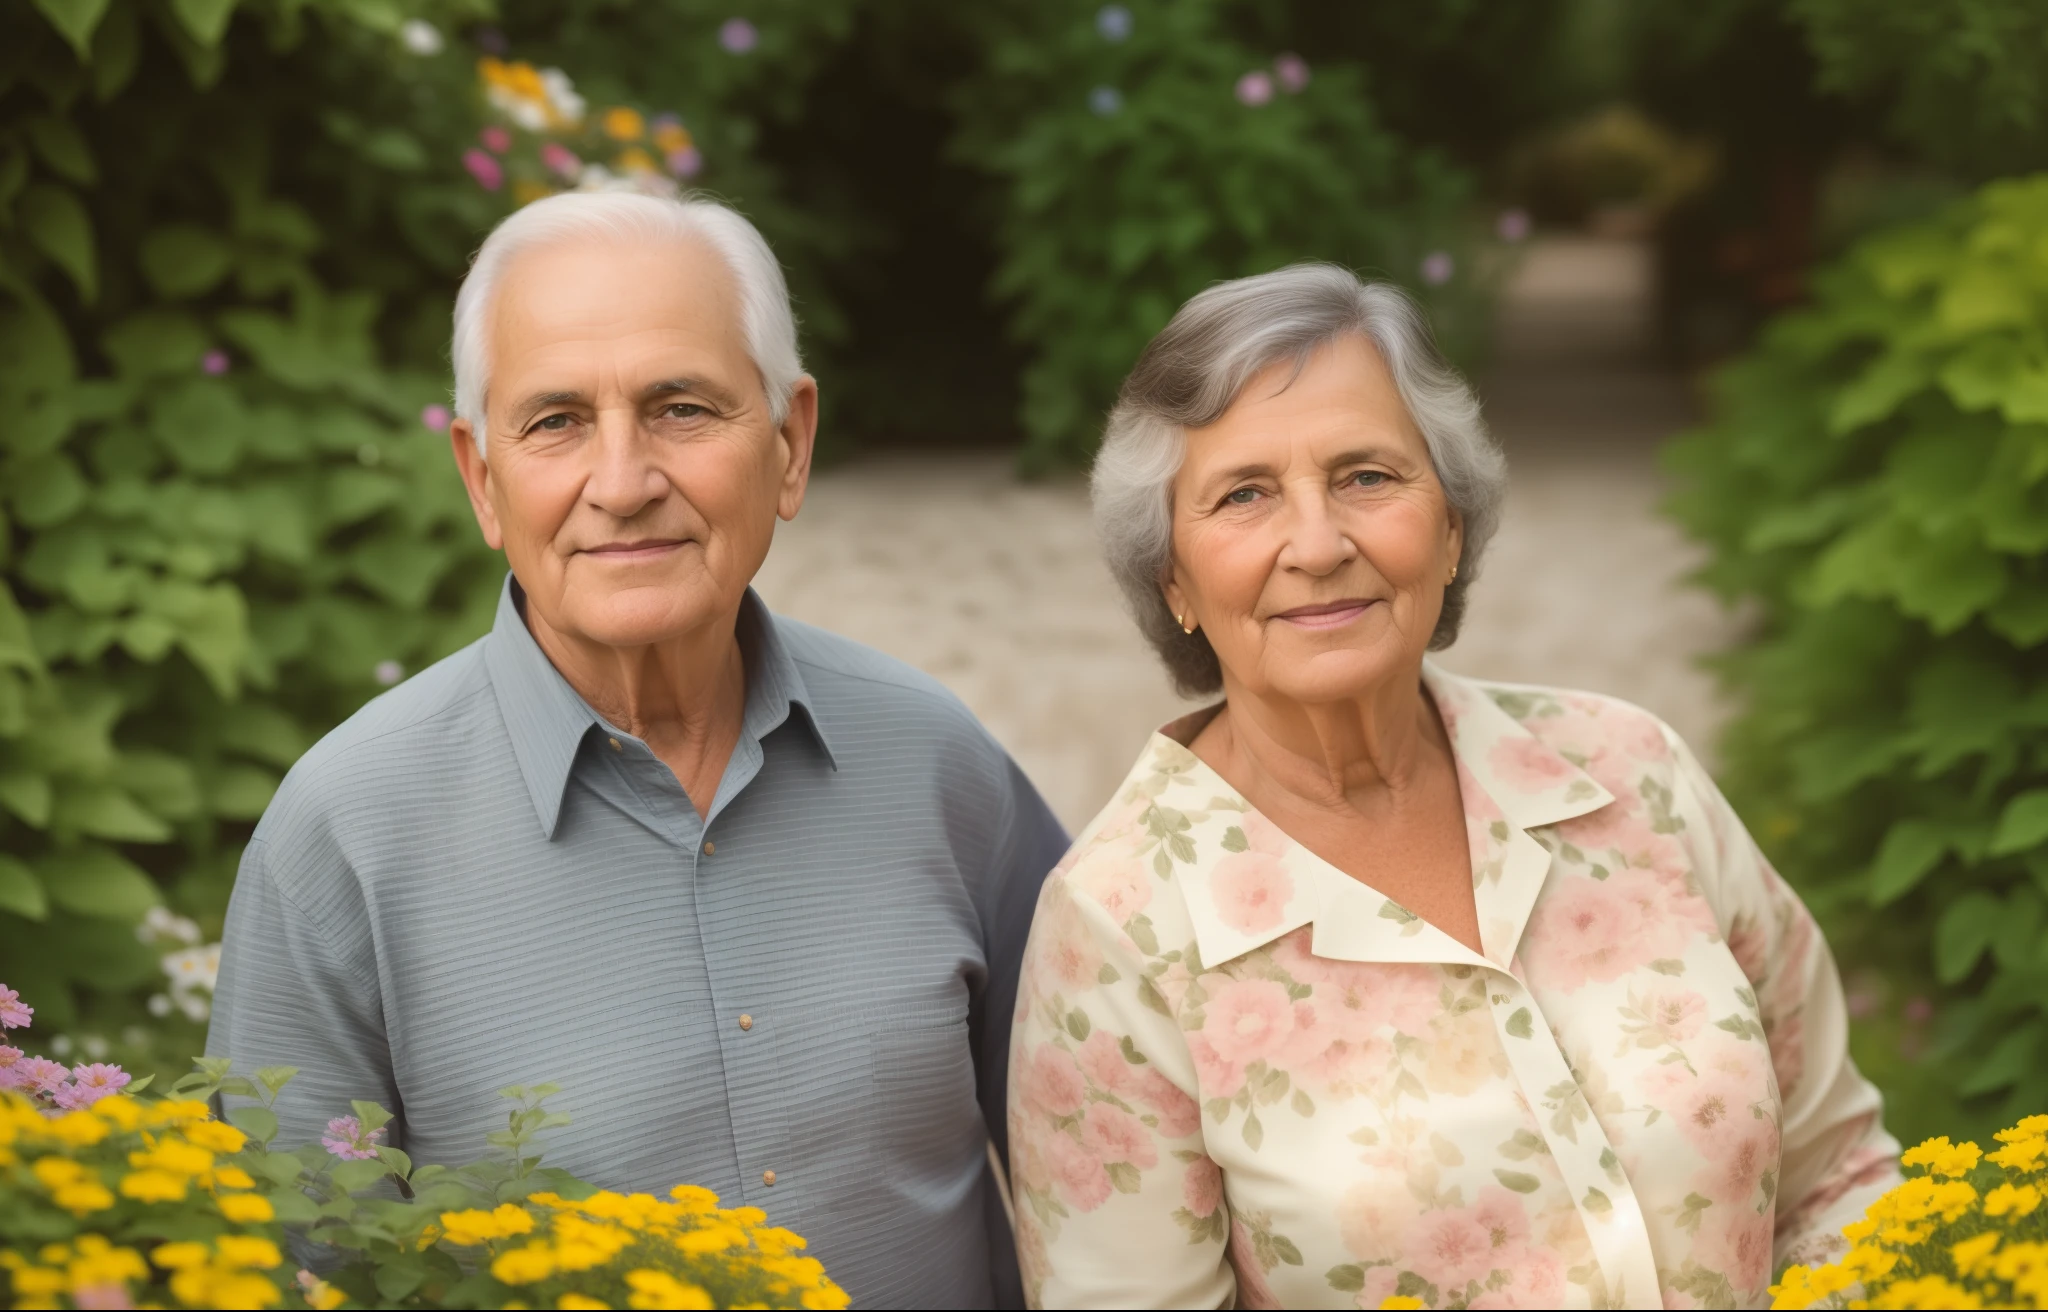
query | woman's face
(1311,540)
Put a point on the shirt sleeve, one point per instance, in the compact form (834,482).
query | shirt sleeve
(1118,1203)
(295,992)
(1835,1157)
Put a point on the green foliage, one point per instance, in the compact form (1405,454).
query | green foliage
(1132,175)
(1965,81)
(1875,482)
(219,510)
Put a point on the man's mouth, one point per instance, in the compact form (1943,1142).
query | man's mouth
(639,549)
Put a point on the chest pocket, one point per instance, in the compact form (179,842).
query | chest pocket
(926,1120)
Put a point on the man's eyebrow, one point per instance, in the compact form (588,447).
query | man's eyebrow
(542,400)
(701,386)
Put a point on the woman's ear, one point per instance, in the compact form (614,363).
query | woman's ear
(1456,535)
(1176,600)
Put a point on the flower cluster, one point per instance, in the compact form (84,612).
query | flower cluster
(45,1083)
(1966,1229)
(548,142)
(191,967)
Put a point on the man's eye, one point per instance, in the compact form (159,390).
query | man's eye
(554,423)
(1244,496)
(683,410)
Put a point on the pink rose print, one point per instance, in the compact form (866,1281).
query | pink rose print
(1251,891)
(1053,1084)
(1246,1019)
(1253,1289)
(1114,1135)
(1527,765)
(1202,1187)
(1737,1161)
(1079,1174)
(1218,1076)
(1504,1216)
(1380,1284)
(1736,1241)
(1748,943)
(1788,1052)
(1103,1060)
(1118,884)
(1178,1115)
(1677,1013)
(1585,931)
(1449,1248)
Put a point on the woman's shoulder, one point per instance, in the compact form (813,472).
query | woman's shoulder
(1578,723)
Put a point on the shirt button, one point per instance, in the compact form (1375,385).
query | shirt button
(615,744)
(746,1021)
(709,848)
(768,1178)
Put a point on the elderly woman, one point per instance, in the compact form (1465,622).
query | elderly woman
(1376,980)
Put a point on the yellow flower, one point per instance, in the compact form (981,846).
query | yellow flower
(178,1111)
(634,160)
(622,124)
(175,1156)
(119,1111)
(746,1216)
(711,1239)
(246,1208)
(227,1177)
(76,1129)
(1972,1256)
(82,1197)
(56,1172)
(1401,1301)
(660,1289)
(2020,1200)
(179,1256)
(153,1186)
(2031,1127)
(31,1281)
(1941,1157)
(523,1266)
(217,1135)
(671,137)
(827,1297)
(216,1287)
(580,1301)
(475,1226)
(1926,1292)
(2021,1153)
(693,1198)
(247,1250)
(323,1296)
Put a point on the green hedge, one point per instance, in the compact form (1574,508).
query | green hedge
(1874,482)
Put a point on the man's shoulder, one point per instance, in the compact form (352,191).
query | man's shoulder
(412,726)
(849,681)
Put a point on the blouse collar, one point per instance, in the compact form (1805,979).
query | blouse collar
(1512,783)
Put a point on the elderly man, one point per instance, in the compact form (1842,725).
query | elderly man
(753,895)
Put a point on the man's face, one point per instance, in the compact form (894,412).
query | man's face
(632,473)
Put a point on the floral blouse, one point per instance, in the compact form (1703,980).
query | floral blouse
(1240,1074)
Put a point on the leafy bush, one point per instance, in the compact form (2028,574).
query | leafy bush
(222,524)
(1142,153)
(104,1196)
(1875,481)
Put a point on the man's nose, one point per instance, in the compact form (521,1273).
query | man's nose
(1316,542)
(624,478)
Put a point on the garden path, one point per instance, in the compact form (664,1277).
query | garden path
(994,586)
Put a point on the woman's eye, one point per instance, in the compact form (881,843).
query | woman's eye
(1244,496)
(1368,478)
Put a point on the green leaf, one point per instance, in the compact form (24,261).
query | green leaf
(62,146)
(1519,1181)
(205,20)
(259,1123)
(1911,849)
(2023,825)
(353,1177)
(155,343)
(1519,1025)
(397,1160)
(1234,840)
(371,1116)
(96,881)
(1963,932)
(274,1078)
(184,259)
(104,811)
(57,224)
(2013,1057)
(46,491)
(21,893)
(1346,1279)
(75,20)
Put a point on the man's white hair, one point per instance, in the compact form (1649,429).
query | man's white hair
(766,319)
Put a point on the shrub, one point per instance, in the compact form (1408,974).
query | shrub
(1874,480)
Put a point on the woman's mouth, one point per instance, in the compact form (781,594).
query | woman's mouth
(1327,615)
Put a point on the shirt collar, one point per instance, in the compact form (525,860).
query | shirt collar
(1511,782)
(548,721)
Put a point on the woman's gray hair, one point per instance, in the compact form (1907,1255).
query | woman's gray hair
(1196,368)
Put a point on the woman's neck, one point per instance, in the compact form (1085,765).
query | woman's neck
(1339,755)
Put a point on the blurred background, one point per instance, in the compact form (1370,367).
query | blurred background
(1756,292)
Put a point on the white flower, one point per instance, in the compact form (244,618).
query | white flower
(193,968)
(162,925)
(421,37)
(562,97)
(159,1004)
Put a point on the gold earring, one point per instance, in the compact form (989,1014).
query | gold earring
(1185,627)
(1454,573)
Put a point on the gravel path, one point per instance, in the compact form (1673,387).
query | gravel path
(994,586)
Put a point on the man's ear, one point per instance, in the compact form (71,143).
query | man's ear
(476,480)
(799,441)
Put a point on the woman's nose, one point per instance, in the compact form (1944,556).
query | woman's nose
(1316,542)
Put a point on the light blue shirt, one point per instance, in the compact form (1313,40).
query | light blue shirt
(477,882)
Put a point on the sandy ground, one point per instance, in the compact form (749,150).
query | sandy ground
(994,586)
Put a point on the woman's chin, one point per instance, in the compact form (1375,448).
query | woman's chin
(1334,675)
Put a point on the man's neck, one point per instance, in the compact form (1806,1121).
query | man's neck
(684,697)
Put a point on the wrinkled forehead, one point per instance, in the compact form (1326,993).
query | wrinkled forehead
(1340,401)
(587,292)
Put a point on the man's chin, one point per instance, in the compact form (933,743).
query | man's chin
(639,616)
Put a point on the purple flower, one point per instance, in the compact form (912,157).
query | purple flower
(1512,226)
(436,418)
(1437,268)
(496,139)
(489,174)
(558,158)
(89,1084)
(345,1139)
(10,1067)
(389,672)
(1292,70)
(1113,22)
(13,1014)
(1919,1011)
(102,1296)
(40,1075)
(737,35)
(1105,101)
(214,362)
(491,41)
(685,163)
(1255,88)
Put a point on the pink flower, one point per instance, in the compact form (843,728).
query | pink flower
(1450,1247)
(1102,1058)
(1253,1289)
(1053,1084)
(1585,930)
(89,1084)
(1737,1161)
(1070,948)
(558,159)
(13,1014)
(1737,1242)
(1513,226)
(40,1075)
(1178,1115)
(10,1066)
(1077,1172)
(1114,1135)
(1251,891)
(738,36)
(1676,1012)
(685,163)
(489,174)
(1437,268)
(1505,1217)
(435,418)
(1218,1076)
(1255,88)
(102,1296)
(1525,763)
(1292,70)
(346,1139)
(1247,1019)
(1120,885)
(496,140)
(1202,1187)
(214,363)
